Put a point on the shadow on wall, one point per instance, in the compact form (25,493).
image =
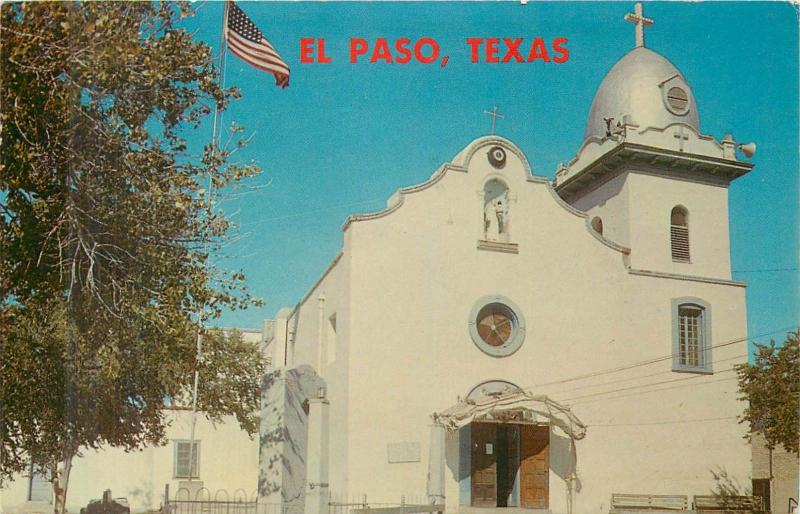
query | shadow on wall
(270,437)
(141,496)
(727,486)
(451,457)
(564,463)
(284,432)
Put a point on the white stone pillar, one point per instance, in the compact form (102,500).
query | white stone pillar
(436,464)
(317,490)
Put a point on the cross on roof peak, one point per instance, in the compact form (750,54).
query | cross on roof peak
(637,17)
(494,114)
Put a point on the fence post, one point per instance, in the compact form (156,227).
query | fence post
(165,507)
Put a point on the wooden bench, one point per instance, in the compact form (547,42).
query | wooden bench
(648,502)
(719,504)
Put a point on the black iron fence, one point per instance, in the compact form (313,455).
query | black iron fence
(362,505)
(203,501)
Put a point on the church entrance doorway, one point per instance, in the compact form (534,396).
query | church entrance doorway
(510,465)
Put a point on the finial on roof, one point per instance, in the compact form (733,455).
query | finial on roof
(637,17)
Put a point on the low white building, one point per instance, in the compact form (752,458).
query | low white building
(494,339)
(225,460)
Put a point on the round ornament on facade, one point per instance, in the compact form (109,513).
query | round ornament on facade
(497,157)
(497,326)
(677,100)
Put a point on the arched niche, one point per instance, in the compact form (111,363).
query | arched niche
(496,210)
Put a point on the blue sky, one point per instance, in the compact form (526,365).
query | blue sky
(343,137)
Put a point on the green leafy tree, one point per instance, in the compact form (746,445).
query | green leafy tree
(106,232)
(771,386)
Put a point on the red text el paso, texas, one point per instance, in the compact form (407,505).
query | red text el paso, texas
(427,50)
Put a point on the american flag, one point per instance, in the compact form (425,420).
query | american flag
(246,41)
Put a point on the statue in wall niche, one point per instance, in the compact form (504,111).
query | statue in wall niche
(495,211)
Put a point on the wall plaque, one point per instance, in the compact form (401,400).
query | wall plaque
(403,452)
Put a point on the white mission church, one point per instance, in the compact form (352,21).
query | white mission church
(497,339)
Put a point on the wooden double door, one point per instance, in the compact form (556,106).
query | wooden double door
(503,454)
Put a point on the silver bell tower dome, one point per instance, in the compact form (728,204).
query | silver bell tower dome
(642,87)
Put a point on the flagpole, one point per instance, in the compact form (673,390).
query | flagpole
(209,196)
(223,46)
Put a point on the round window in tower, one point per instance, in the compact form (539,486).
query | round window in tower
(677,100)
(496,326)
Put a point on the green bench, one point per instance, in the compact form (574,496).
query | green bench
(648,502)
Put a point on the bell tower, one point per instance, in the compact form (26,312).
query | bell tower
(646,175)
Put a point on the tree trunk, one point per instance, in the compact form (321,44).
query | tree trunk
(60,484)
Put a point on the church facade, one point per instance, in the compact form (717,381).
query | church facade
(495,339)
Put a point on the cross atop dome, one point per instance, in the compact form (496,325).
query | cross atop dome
(637,17)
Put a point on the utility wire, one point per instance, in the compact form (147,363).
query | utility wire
(642,386)
(672,422)
(637,377)
(652,361)
(669,388)
(304,213)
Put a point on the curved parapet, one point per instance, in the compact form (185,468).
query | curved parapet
(463,162)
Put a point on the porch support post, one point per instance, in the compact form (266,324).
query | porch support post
(436,464)
(317,490)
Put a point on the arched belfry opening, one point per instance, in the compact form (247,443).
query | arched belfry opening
(496,210)
(679,234)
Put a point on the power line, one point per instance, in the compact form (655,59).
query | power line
(651,361)
(304,213)
(641,386)
(637,377)
(657,390)
(673,422)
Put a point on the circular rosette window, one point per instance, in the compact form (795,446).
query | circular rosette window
(497,326)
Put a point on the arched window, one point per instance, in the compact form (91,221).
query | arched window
(496,221)
(691,335)
(597,225)
(679,234)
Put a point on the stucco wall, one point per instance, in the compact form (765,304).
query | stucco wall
(635,208)
(610,203)
(419,275)
(651,201)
